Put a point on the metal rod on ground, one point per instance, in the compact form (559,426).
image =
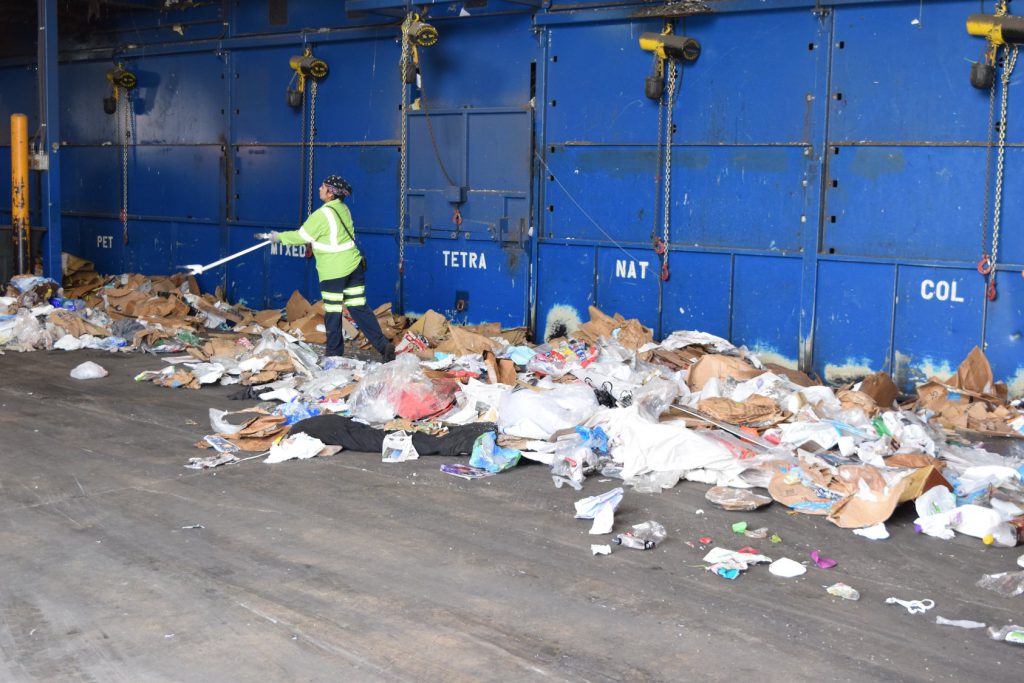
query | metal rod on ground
(731,428)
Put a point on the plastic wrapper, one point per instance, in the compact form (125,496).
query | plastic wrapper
(729,498)
(221,425)
(654,398)
(323,383)
(296,411)
(489,456)
(559,360)
(88,370)
(654,482)
(28,333)
(539,414)
(1007,584)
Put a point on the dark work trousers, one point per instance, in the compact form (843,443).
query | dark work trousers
(349,292)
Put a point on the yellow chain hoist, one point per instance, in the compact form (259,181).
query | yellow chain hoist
(666,45)
(1001,31)
(305,66)
(416,33)
(671,49)
(122,81)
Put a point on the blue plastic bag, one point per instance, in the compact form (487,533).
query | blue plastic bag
(488,455)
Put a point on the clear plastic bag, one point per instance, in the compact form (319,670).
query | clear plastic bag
(654,398)
(729,498)
(1007,584)
(374,400)
(399,388)
(29,333)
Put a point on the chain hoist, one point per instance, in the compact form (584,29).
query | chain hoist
(121,82)
(997,202)
(415,33)
(669,50)
(1000,31)
(306,67)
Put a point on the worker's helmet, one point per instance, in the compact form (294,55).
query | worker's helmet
(338,186)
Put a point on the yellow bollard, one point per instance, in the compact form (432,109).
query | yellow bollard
(19,193)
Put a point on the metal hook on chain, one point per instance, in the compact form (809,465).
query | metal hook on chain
(990,292)
(664,271)
(659,245)
(457,217)
(985,265)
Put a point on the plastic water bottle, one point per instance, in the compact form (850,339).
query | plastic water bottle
(643,536)
(986,524)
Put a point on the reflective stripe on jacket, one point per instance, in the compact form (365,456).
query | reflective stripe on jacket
(328,229)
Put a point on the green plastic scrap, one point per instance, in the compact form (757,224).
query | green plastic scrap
(188,337)
(880,427)
(739,527)
(775,538)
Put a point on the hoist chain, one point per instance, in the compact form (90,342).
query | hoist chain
(312,137)
(982,266)
(998,200)
(125,135)
(659,70)
(986,265)
(673,76)
(404,153)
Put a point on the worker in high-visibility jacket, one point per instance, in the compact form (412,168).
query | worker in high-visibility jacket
(341,267)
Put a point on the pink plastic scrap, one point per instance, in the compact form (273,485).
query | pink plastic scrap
(822,562)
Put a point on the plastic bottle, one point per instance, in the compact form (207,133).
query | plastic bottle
(643,536)
(1011,634)
(985,523)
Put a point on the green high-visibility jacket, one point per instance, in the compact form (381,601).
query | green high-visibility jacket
(329,229)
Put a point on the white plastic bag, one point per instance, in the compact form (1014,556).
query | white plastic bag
(539,414)
(88,370)
(397,447)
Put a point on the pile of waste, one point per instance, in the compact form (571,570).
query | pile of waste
(153,314)
(609,401)
(605,401)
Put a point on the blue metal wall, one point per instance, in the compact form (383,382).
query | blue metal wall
(828,169)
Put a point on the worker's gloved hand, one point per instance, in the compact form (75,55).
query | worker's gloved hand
(274,236)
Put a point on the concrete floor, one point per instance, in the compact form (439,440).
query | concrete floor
(346,569)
